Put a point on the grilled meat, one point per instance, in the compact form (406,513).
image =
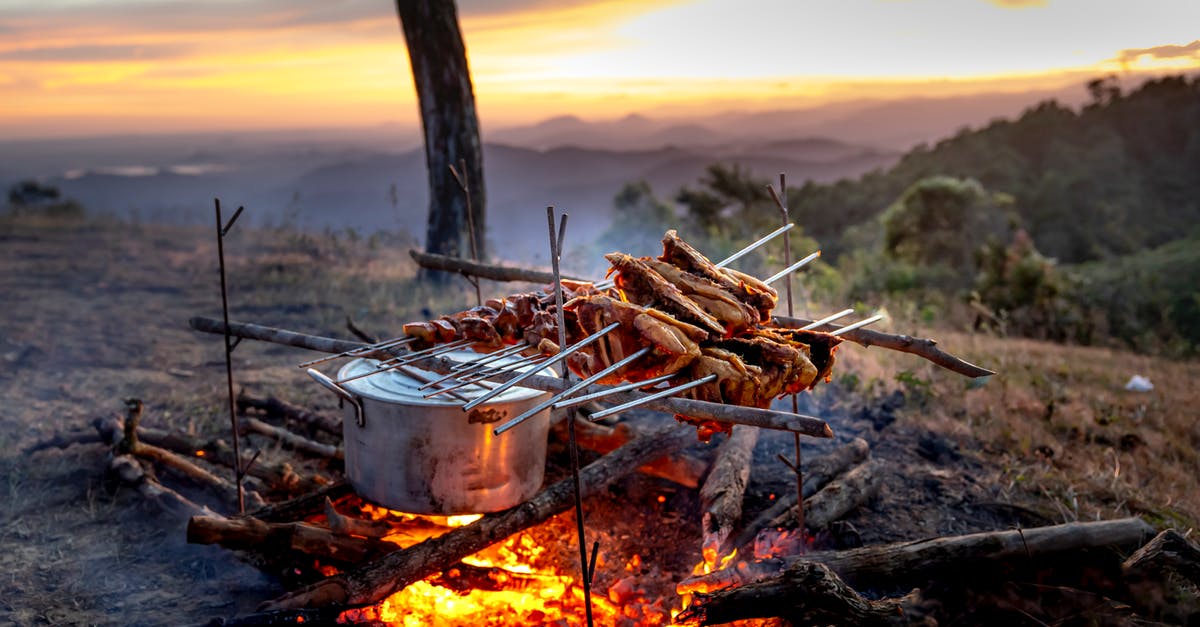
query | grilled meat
(745,287)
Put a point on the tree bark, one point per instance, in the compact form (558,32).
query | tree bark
(723,491)
(447,104)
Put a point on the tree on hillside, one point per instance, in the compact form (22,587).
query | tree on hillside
(447,104)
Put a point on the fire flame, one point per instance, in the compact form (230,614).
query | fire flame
(515,582)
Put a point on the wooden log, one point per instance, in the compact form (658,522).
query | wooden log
(403,533)
(925,348)
(680,468)
(278,408)
(251,534)
(723,492)
(1168,551)
(732,414)
(375,581)
(130,471)
(807,593)
(63,441)
(488,271)
(905,563)
(294,441)
(817,473)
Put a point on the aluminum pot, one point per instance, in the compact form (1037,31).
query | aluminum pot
(427,456)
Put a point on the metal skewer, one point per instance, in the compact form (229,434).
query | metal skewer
(562,354)
(792,268)
(397,362)
(479,376)
(569,391)
(474,365)
(362,350)
(616,389)
(826,320)
(856,325)
(652,397)
(758,244)
(603,285)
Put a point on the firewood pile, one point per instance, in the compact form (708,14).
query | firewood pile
(343,558)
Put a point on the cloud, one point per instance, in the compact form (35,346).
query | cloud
(1019,4)
(97,53)
(1170,51)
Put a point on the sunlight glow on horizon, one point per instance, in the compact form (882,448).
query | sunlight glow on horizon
(136,65)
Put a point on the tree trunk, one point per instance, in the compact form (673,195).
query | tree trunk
(447,103)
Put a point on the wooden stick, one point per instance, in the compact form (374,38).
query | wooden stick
(806,593)
(924,348)
(64,440)
(680,468)
(842,495)
(130,471)
(482,270)
(723,492)
(280,476)
(277,408)
(818,472)
(1167,551)
(251,534)
(377,580)
(405,533)
(905,563)
(751,416)
(291,440)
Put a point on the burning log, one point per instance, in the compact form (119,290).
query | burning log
(374,581)
(906,562)
(817,473)
(275,407)
(289,439)
(807,593)
(303,506)
(723,492)
(251,534)
(406,534)
(680,468)
(751,416)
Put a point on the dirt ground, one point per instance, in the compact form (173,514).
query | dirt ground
(95,312)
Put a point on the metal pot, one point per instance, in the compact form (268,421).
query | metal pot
(426,456)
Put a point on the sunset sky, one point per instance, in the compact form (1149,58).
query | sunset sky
(89,67)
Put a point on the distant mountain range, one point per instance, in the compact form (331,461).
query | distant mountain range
(372,179)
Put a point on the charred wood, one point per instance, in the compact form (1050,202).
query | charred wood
(303,506)
(276,408)
(839,497)
(806,593)
(376,580)
(817,473)
(406,533)
(723,492)
(905,563)
(751,416)
(282,618)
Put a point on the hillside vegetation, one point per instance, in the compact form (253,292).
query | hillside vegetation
(1062,224)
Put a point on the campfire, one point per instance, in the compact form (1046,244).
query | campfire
(408,541)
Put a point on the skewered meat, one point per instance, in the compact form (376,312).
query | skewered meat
(747,288)
(674,342)
(644,286)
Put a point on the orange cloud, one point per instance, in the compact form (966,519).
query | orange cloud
(1171,51)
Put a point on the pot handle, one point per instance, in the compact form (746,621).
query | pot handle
(341,393)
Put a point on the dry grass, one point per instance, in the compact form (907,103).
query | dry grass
(1071,440)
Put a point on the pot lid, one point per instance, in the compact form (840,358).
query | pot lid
(395,386)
